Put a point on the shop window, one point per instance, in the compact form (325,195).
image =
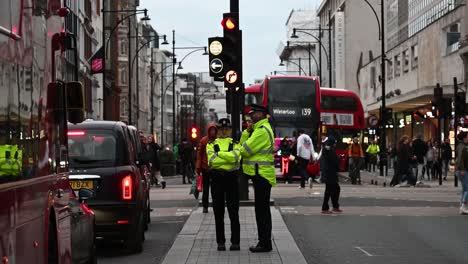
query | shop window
(123,47)
(405,61)
(453,38)
(123,75)
(390,69)
(414,56)
(397,68)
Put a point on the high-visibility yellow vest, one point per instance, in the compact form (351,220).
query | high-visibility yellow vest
(223,154)
(10,160)
(373,149)
(257,150)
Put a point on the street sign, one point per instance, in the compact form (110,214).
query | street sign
(231,77)
(216,47)
(216,65)
(373,121)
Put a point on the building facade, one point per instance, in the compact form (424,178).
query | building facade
(427,55)
(354,38)
(300,54)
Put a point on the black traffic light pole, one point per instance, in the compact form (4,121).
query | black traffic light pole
(237,96)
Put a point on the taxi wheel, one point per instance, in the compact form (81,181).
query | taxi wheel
(134,243)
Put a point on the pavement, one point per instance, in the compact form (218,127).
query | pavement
(196,243)
(379,225)
(374,178)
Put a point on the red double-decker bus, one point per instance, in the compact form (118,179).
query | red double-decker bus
(298,102)
(35,193)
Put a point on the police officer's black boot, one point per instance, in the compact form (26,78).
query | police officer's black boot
(261,247)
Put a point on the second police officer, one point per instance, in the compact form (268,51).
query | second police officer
(257,150)
(224,162)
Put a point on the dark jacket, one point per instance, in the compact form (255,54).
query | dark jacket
(202,162)
(419,150)
(186,151)
(404,156)
(285,149)
(329,166)
(154,149)
(446,152)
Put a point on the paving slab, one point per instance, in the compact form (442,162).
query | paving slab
(196,243)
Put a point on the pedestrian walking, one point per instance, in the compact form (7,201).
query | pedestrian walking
(430,158)
(355,155)
(186,157)
(446,157)
(202,164)
(305,151)
(461,169)
(285,150)
(154,149)
(404,156)
(373,150)
(419,150)
(257,150)
(331,165)
(223,156)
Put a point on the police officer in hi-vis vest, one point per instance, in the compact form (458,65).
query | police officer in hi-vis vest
(257,147)
(223,163)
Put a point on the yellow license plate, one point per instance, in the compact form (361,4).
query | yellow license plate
(76,185)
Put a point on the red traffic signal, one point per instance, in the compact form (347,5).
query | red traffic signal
(194,131)
(229,22)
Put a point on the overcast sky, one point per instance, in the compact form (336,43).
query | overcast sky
(261,21)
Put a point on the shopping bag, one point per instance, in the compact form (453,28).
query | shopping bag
(199,183)
(313,168)
(193,189)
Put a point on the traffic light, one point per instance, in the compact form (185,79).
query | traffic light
(388,116)
(434,108)
(460,103)
(232,50)
(437,101)
(194,133)
(445,109)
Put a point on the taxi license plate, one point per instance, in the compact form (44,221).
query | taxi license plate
(76,185)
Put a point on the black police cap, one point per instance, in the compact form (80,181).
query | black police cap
(224,122)
(258,108)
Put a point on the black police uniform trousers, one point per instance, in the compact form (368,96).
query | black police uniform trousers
(262,190)
(225,187)
(206,188)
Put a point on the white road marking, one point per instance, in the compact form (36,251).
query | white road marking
(171,222)
(365,252)
(182,213)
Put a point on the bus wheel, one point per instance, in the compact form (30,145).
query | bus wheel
(52,250)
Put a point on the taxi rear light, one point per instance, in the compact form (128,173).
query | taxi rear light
(123,222)
(127,187)
(76,133)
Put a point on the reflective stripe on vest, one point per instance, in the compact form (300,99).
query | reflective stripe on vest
(210,162)
(260,163)
(272,142)
(247,148)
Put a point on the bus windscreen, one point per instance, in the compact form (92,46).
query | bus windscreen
(292,98)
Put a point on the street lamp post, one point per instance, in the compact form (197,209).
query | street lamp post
(173,90)
(133,12)
(194,49)
(383,140)
(311,56)
(300,69)
(319,39)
